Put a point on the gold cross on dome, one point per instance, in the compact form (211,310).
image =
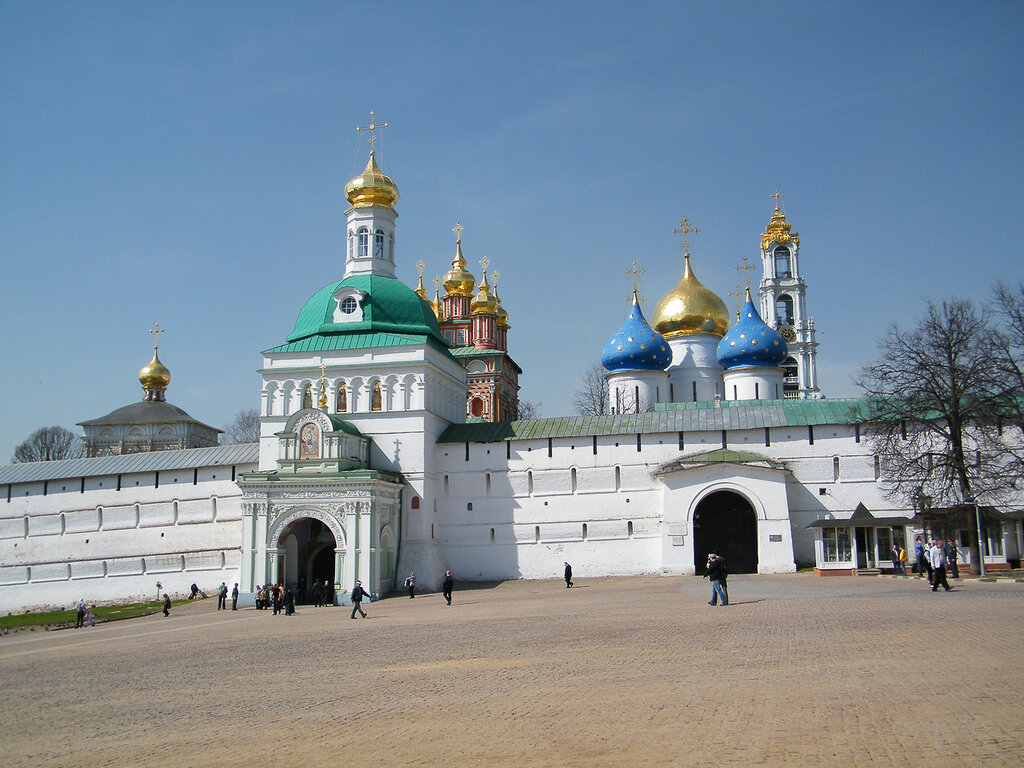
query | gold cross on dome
(746,269)
(635,272)
(457,229)
(437,282)
(420,265)
(685,229)
(778,199)
(737,293)
(372,127)
(156,331)
(494,276)
(485,263)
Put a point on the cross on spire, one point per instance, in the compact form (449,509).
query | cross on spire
(685,229)
(736,292)
(457,229)
(746,269)
(372,128)
(420,265)
(778,199)
(494,276)
(156,331)
(437,283)
(635,272)
(485,263)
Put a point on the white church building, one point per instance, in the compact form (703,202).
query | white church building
(372,462)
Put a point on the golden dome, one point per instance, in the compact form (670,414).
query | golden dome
(458,281)
(690,308)
(499,310)
(483,303)
(154,375)
(779,231)
(437,306)
(371,187)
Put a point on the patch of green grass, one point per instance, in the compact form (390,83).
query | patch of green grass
(67,618)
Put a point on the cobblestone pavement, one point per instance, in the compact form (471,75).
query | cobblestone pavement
(799,670)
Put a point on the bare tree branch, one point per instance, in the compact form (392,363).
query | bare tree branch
(48,444)
(244,428)
(591,399)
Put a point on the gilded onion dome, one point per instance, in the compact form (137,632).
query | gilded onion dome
(371,187)
(459,281)
(499,310)
(636,346)
(751,342)
(154,375)
(690,308)
(779,231)
(484,302)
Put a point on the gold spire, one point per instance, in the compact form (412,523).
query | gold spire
(778,228)
(458,281)
(484,303)
(437,306)
(499,310)
(420,290)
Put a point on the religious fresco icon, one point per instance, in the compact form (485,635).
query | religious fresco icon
(309,442)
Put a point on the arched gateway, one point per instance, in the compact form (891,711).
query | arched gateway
(726,523)
(306,550)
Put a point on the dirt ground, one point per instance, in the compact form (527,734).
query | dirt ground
(799,670)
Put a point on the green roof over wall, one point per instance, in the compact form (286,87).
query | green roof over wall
(669,417)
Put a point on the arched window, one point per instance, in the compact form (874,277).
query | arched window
(835,468)
(784,309)
(307,396)
(782,263)
(376,402)
(364,242)
(378,244)
(342,401)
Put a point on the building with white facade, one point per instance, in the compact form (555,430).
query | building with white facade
(367,468)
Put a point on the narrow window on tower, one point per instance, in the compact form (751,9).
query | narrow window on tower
(835,469)
(378,244)
(584,531)
(618,478)
(364,242)
(572,479)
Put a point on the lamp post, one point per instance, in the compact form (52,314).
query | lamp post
(981,543)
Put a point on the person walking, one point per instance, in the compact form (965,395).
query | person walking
(568,575)
(318,593)
(903,560)
(447,585)
(951,558)
(358,593)
(234,597)
(938,562)
(222,597)
(922,560)
(275,599)
(894,555)
(410,583)
(289,602)
(80,619)
(716,573)
(167,605)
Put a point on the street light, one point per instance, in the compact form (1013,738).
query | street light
(981,543)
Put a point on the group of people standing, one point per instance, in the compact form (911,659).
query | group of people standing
(934,559)
(276,597)
(323,593)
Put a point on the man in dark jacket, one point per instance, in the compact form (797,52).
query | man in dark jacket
(447,586)
(717,575)
(358,593)
(568,575)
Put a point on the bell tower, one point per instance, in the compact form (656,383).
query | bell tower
(784,304)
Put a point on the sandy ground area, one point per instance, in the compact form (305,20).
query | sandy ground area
(798,670)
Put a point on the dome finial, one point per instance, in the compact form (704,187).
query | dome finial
(421,291)
(459,280)
(372,128)
(779,230)
(685,229)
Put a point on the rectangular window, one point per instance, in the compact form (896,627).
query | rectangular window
(836,545)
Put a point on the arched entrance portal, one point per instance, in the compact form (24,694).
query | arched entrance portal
(724,522)
(308,548)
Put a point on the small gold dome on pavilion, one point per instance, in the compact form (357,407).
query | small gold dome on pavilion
(690,308)
(371,187)
(499,310)
(483,302)
(154,375)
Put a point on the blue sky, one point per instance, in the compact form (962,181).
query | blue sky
(184,163)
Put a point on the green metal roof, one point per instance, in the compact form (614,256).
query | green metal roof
(393,315)
(668,417)
(336,341)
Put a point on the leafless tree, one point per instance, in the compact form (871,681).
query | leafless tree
(49,444)
(244,428)
(591,399)
(529,409)
(935,403)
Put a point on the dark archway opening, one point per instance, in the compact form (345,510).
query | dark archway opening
(724,522)
(309,548)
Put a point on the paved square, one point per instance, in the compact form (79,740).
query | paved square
(799,670)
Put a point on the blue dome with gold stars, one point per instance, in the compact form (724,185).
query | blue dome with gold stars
(750,342)
(636,346)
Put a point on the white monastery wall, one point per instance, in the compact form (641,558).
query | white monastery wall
(104,544)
